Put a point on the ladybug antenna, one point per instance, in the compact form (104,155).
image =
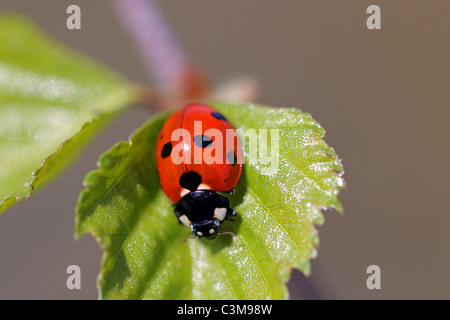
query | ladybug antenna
(190,238)
(225,232)
(210,238)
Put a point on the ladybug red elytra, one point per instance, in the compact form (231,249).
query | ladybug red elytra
(198,154)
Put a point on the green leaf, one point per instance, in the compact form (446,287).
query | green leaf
(145,257)
(52,102)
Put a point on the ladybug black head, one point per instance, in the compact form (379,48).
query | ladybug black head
(206,228)
(203,211)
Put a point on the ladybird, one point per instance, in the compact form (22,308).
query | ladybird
(198,154)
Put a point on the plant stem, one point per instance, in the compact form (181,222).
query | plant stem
(159,49)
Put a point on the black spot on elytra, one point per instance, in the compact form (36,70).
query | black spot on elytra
(202,141)
(190,180)
(231,157)
(166,150)
(218,115)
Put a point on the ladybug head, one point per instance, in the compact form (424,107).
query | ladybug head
(204,211)
(206,228)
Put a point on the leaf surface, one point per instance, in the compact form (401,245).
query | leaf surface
(145,257)
(52,102)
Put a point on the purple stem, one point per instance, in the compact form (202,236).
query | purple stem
(161,53)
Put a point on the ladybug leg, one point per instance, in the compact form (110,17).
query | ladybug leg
(230,214)
(230,191)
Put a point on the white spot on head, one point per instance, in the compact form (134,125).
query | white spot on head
(199,233)
(211,231)
(184,220)
(203,186)
(184,192)
(220,213)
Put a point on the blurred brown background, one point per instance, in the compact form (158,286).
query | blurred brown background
(382,95)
